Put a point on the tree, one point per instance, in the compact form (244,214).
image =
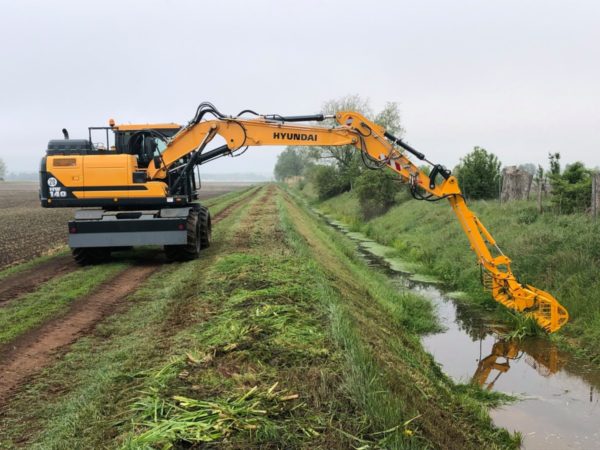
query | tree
(571,188)
(327,181)
(540,183)
(342,166)
(479,174)
(376,192)
(2,170)
(389,118)
(346,158)
(291,162)
(554,159)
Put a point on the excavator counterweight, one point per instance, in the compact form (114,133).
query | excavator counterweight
(144,188)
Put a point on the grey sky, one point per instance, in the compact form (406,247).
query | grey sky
(520,78)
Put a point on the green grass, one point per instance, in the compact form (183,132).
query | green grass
(559,254)
(268,341)
(13,270)
(51,299)
(384,355)
(218,204)
(83,400)
(264,357)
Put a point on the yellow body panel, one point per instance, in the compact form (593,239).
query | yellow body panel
(106,171)
(68,170)
(95,174)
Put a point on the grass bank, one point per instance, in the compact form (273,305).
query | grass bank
(409,402)
(560,254)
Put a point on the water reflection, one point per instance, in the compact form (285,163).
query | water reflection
(545,361)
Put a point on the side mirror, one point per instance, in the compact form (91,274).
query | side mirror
(157,161)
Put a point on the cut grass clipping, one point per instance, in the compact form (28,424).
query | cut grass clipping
(195,421)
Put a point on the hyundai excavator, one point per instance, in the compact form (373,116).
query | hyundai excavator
(143,190)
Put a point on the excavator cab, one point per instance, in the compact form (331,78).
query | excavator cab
(106,168)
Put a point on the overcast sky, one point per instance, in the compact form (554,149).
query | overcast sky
(520,78)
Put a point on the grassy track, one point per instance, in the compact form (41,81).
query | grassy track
(52,299)
(76,402)
(279,337)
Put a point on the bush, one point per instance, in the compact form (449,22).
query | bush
(376,191)
(571,190)
(328,181)
(479,174)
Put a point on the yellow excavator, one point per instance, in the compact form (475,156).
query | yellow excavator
(143,189)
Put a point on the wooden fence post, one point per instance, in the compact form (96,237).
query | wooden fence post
(540,188)
(595,194)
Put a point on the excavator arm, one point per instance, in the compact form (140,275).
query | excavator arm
(381,149)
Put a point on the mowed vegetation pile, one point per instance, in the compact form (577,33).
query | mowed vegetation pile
(557,253)
(278,337)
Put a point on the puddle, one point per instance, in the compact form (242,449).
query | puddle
(559,406)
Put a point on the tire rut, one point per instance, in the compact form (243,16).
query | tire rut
(29,353)
(30,279)
(33,350)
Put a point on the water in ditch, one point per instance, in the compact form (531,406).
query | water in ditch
(558,406)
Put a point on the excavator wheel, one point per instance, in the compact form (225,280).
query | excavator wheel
(90,255)
(191,250)
(205,227)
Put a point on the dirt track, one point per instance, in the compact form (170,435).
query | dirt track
(28,280)
(35,349)
(29,353)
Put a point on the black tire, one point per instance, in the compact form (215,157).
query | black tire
(90,255)
(191,250)
(205,227)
